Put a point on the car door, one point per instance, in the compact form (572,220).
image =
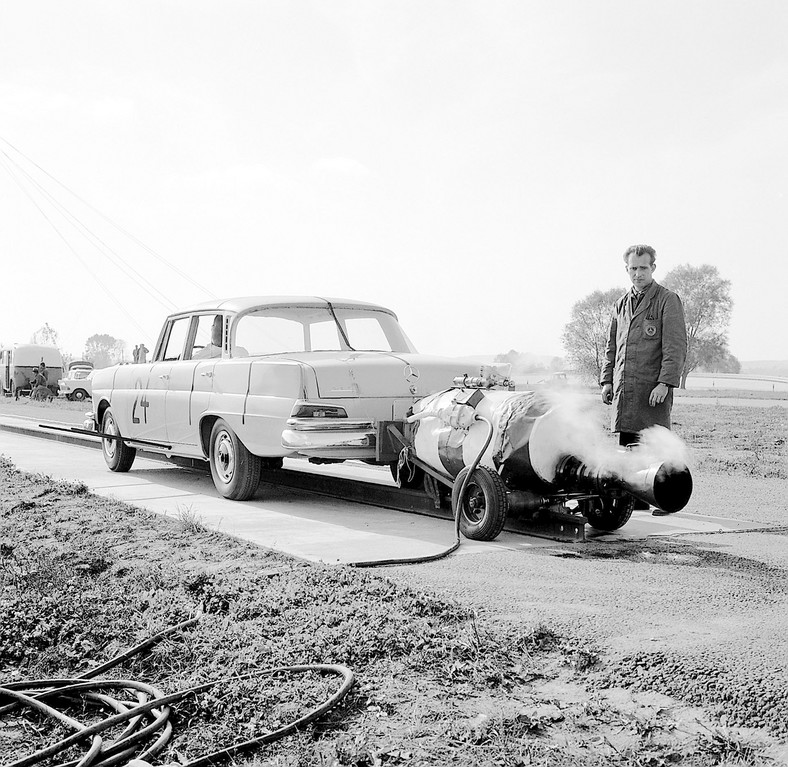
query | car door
(190,382)
(149,412)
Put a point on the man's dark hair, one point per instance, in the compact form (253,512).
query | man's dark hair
(639,250)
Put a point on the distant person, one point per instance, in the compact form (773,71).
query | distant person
(646,349)
(214,347)
(135,355)
(142,353)
(38,385)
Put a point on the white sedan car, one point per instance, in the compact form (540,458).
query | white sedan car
(77,385)
(244,382)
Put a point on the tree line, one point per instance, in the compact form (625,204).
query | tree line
(101,349)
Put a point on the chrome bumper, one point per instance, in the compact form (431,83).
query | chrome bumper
(330,436)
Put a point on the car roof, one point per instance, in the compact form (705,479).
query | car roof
(245,303)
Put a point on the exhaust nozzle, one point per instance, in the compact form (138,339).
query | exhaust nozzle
(664,485)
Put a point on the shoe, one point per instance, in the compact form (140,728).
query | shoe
(655,512)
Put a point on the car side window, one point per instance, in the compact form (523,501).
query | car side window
(176,339)
(267,334)
(208,337)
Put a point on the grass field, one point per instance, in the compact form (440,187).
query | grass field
(750,441)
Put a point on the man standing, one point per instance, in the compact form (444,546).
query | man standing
(646,349)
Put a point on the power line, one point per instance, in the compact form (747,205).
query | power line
(70,247)
(102,247)
(134,239)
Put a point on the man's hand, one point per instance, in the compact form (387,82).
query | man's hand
(607,393)
(658,394)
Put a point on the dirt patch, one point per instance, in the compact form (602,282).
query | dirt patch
(662,551)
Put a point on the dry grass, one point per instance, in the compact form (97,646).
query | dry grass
(84,578)
(749,441)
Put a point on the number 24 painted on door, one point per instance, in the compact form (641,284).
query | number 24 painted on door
(142,402)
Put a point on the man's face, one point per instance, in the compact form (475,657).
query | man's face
(640,270)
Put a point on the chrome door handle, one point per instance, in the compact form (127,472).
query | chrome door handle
(208,374)
(165,376)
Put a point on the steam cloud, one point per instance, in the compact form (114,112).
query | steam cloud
(584,436)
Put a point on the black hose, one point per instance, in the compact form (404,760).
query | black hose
(457,514)
(151,710)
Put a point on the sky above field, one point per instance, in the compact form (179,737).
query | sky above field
(477,167)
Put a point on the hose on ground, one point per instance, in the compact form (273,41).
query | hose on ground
(457,514)
(143,709)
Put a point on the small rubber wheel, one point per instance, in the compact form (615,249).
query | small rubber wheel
(117,454)
(235,471)
(484,503)
(79,395)
(608,514)
(410,476)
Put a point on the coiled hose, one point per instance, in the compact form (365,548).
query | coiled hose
(146,718)
(457,513)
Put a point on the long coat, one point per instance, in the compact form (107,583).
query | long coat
(644,349)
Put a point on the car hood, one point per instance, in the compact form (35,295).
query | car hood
(382,374)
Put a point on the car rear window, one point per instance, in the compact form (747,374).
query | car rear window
(302,329)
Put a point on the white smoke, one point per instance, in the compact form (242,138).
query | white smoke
(585,436)
(660,445)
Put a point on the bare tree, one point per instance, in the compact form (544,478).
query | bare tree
(585,335)
(104,350)
(46,335)
(707,311)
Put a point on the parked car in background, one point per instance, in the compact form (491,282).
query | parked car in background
(78,384)
(244,382)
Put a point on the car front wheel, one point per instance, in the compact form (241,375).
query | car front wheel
(79,395)
(235,471)
(117,454)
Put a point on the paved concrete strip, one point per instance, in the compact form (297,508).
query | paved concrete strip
(309,526)
(644,525)
(300,524)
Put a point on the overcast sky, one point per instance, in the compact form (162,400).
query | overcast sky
(477,167)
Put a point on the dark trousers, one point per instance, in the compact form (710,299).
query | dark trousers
(632,438)
(628,438)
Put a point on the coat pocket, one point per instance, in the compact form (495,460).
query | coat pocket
(651,330)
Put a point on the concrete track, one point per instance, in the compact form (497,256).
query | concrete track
(302,524)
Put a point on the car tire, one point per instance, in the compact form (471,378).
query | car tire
(608,514)
(79,395)
(117,454)
(484,504)
(235,471)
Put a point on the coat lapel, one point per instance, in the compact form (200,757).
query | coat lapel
(646,300)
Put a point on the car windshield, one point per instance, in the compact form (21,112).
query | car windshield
(310,329)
